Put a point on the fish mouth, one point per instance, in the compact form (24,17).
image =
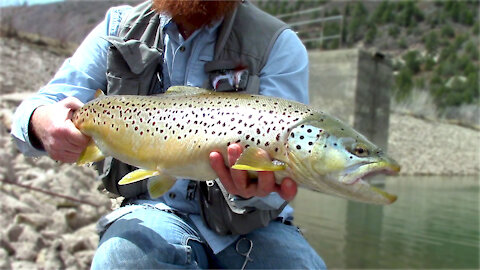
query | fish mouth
(361,177)
(366,177)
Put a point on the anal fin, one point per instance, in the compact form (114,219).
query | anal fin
(158,185)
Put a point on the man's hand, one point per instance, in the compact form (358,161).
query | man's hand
(53,126)
(237,182)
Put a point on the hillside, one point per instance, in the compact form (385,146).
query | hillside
(68,22)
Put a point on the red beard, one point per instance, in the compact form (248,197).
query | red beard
(198,12)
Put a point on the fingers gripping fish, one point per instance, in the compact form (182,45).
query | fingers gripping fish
(170,136)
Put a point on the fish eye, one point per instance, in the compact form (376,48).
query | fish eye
(360,150)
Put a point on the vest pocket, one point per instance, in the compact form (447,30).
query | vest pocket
(133,68)
(118,85)
(119,76)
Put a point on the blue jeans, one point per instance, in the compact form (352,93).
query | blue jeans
(149,238)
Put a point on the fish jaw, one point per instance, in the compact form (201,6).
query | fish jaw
(356,179)
(370,194)
(358,172)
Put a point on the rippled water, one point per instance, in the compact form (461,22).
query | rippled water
(434,224)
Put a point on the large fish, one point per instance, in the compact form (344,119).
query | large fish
(171,136)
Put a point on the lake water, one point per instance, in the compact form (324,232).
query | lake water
(433,224)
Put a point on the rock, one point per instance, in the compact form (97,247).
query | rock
(6,119)
(4,259)
(84,258)
(31,236)
(14,232)
(25,251)
(38,221)
(83,239)
(23,265)
(82,216)
(11,205)
(51,259)
(6,246)
(32,199)
(59,225)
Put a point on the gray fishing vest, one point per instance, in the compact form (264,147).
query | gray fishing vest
(135,61)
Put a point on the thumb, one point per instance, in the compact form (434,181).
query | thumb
(72,103)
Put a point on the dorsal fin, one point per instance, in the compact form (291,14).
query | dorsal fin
(186,90)
(99,93)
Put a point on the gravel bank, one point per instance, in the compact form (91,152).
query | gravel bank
(42,231)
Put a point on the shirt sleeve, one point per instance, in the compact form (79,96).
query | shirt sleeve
(284,75)
(79,76)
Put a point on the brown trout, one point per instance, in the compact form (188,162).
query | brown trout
(170,136)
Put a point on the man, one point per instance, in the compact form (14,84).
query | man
(135,49)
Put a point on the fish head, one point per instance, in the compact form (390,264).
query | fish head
(328,156)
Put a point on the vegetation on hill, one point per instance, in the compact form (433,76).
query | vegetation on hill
(435,44)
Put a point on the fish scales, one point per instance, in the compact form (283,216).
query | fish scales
(173,134)
(178,130)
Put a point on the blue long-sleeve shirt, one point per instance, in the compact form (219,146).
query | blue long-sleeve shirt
(284,75)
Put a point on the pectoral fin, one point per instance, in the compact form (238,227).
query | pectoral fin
(257,159)
(136,176)
(160,184)
(90,154)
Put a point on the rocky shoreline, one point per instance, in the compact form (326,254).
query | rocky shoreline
(39,230)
